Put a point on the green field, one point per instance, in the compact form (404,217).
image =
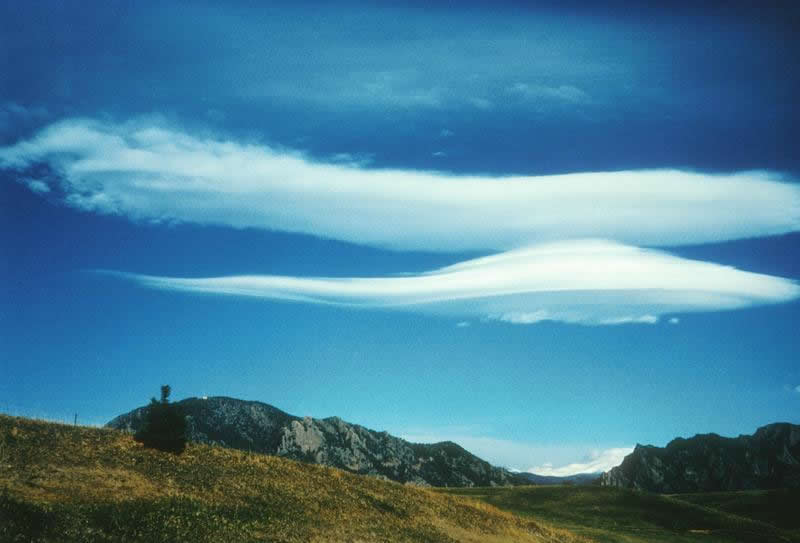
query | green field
(780,508)
(616,515)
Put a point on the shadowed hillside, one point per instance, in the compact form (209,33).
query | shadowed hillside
(613,515)
(64,483)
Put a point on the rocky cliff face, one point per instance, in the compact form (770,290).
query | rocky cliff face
(259,427)
(770,458)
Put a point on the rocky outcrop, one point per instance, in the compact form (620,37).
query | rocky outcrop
(770,458)
(259,427)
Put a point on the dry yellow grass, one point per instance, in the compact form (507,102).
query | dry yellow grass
(210,493)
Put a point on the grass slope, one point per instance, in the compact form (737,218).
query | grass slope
(63,483)
(780,507)
(625,516)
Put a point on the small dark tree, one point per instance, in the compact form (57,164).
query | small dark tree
(164,425)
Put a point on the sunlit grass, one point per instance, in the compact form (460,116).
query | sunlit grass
(65,483)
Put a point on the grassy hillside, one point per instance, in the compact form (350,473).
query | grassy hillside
(777,507)
(624,516)
(63,483)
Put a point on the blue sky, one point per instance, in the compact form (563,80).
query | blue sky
(545,232)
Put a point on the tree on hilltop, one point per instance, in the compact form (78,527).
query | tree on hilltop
(164,425)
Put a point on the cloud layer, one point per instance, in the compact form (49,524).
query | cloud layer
(596,462)
(145,171)
(585,282)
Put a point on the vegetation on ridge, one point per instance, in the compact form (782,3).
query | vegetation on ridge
(164,425)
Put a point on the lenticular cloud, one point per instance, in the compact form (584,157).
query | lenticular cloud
(585,282)
(145,171)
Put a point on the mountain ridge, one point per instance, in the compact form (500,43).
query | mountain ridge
(768,458)
(260,427)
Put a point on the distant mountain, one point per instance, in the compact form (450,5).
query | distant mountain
(770,458)
(259,427)
(578,479)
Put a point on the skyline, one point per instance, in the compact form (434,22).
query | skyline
(546,233)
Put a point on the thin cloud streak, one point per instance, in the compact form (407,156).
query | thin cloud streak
(146,171)
(584,282)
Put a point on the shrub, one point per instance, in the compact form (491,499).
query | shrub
(164,425)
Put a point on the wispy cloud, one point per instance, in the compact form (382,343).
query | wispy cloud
(583,282)
(10,109)
(568,94)
(596,461)
(38,186)
(146,171)
(480,102)
(14,115)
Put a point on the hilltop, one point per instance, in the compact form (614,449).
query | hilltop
(260,427)
(64,483)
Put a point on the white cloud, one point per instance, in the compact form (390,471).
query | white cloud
(583,282)
(145,171)
(597,461)
(674,320)
(463,324)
